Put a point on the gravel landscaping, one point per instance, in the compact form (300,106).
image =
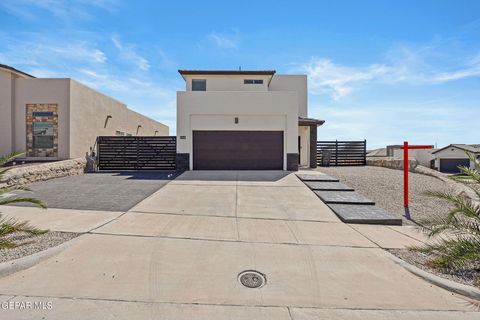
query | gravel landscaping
(28,244)
(421,260)
(385,187)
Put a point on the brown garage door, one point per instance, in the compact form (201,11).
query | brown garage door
(238,150)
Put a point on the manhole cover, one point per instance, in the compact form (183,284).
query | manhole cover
(252,279)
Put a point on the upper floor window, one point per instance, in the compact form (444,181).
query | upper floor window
(199,85)
(253,81)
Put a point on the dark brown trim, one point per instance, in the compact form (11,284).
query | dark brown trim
(309,122)
(4,66)
(227,72)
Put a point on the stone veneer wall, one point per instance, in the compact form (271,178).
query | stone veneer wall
(44,171)
(53,120)
(313,146)
(392,163)
(292,161)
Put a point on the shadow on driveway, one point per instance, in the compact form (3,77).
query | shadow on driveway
(113,191)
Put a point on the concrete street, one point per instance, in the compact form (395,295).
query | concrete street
(177,255)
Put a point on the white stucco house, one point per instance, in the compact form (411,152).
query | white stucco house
(447,159)
(244,120)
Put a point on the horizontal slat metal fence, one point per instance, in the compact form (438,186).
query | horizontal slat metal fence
(342,153)
(136,153)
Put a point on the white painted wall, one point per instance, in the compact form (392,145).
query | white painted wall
(451,153)
(229,82)
(216,110)
(297,83)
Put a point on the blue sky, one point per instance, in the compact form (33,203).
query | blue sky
(381,70)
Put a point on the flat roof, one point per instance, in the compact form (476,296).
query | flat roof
(228,72)
(4,66)
(302,121)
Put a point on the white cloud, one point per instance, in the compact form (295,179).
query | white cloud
(66,10)
(36,51)
(327,77)
(129,54)
(338,81)
(225,40)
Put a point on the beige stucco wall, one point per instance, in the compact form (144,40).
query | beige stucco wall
(36,90)
(423,156)
(229,82)
(304,134)
(88,113)
(255,110)
(6,83)
(296,83)
(450,153)
(82,112)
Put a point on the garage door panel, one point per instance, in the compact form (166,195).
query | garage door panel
(451,165)
(238,150)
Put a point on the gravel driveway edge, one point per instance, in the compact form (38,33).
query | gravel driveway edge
(12,266)
(449,285)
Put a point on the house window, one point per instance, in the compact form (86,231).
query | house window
(199,85)
(253,81)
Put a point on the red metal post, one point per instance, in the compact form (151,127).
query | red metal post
(405,174)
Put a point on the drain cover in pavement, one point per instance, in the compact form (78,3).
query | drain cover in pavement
(315,177)
(343,197)
(252,279)
(327,186)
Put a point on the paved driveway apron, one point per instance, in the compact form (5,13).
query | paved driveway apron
(100,191)
(178,253)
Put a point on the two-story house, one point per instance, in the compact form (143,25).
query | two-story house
(244,120)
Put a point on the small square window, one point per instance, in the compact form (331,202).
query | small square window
(199,85)
(253,81)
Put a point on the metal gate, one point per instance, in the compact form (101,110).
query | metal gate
(342,153)
(136,153)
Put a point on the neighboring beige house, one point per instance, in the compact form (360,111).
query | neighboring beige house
(61,118)
(244,120)
(450,157)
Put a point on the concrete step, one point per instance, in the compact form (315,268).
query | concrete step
(363,214)
(343,197)
(316,177)
(328,186)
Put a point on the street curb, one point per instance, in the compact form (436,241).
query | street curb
(446,284)
(13,266)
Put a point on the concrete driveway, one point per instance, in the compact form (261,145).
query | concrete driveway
(178,253)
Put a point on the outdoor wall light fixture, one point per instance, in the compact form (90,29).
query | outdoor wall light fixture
(236,120)
(106,120)
(138,128)
(156,131)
